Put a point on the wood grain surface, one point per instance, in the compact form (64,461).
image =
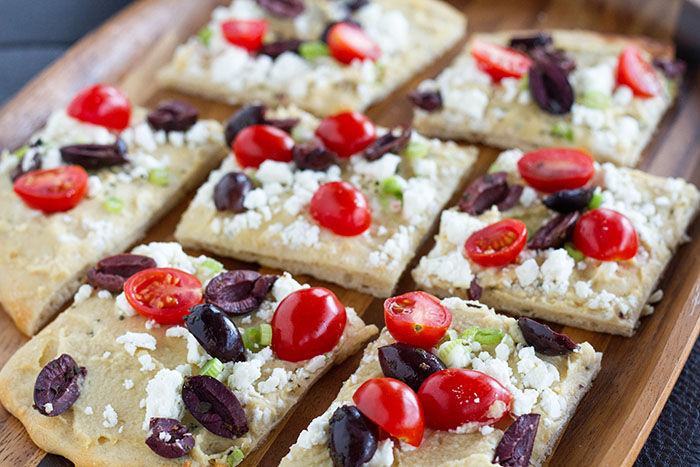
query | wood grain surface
(615,418)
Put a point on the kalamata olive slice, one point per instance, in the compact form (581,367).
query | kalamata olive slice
(215,406)
(555,232)
(95,156)
(559,57)
(231,190)
(238,292)
(254,115)
(111,272)
(672,69)
(390,142)
(58,386)
(550,87)
(408,363)
(354,5)
(169,438)
(283,8)
(544,340)
(483,193)
(216,333)
(275,49)
(313,157)
(566,201)
(515,447)
(511,199)
(353,437)
(32,163)
(173,116)
(475,290)
(430,101)
(527,44)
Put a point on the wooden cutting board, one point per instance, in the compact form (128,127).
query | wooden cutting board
(616,416)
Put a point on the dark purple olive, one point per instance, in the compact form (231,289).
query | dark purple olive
(566,201)
(275,49)
(111,272)
(247,116)
(430,101)
(550,87)
(313,157)
(216,333)
(58,386)
(390,142)
(353,437)
(560,58)
(284,124)
(215,406)
(408,363)
(672,69)
(515,447)
(169,438)
(231,190)
(555,232)
(527,44)
(283,8)
(173,116)
(544,340)
(511,199)
(238,292)
(483,193)
(95,156)
(19,170)
(475,290)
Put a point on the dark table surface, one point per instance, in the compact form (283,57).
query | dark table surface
(36,32)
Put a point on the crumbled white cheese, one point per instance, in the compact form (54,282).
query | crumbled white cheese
(552,404)
(83,293)
(134,340)
(528,196)
(274,172)
(255,199)
(146,362)
(300,233)
(123,307)
(163,397)
(451,268)
(88,410)
(277,380)
(379,169)
(128,384)
(104,294)
(384,455)
(48,407)
(536,373)
(623,95)
(418,197)
(528,272)
(458,226)
(167,255)
(507,161)
(586,116)
(556,270)
(110,417)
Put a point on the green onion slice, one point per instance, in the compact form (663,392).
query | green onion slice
(235,458)
(313,49)
(212,368)
(574,252)
(596,201)
(113,204)
(205,35)
(265,334)
(159,177)
(595,100)
(416,150)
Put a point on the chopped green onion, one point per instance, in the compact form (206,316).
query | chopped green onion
(210,266)
(205,35)
(213,368)
(113,204)
(20,152)
(595,100)
(391,186)
(562,130)
(573,251)
(235,458)
(300,134)
(416,150)
(469,334)
(525,83)
(489,336)
(596,201)
(452,335)
(380,68)
(265,334)
(251,339)
(313,49)
(159,177)
(447,348)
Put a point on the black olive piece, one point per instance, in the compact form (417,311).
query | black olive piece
(544,339)
(238,292)
(231,190)
(215,406)
(216,333)
(566,201)
(58,386)
(515,447)
(353,437)
(176,442)
(408,363)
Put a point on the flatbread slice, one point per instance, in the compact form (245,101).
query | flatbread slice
(135,370)
(410,33)
(549,386)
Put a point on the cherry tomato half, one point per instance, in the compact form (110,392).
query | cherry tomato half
(257,143)
(245,33)
(453,397)
(101,105)
(307,323)
(634,71)
(341,208)
(606,235)
(163,294)
(498,61)
(393,406)
(416,318)
(346,133)
(53,190)
(555,169)
(348,42)
(497,244)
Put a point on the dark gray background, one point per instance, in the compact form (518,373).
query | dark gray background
(33,33)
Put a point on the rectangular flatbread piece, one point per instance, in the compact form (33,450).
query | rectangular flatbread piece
(135,371)
(550,386)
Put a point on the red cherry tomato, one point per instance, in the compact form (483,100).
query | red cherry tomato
(257,143)
(346,133)
(101,105)
(247,34)
(393,406)
(416,318)
(348,42)
(341,208)
(307,323)
(53,190)
(453,397)
(163,294)
(554,169)
(497,244)
(634,71)
(498,61)
(606,235)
